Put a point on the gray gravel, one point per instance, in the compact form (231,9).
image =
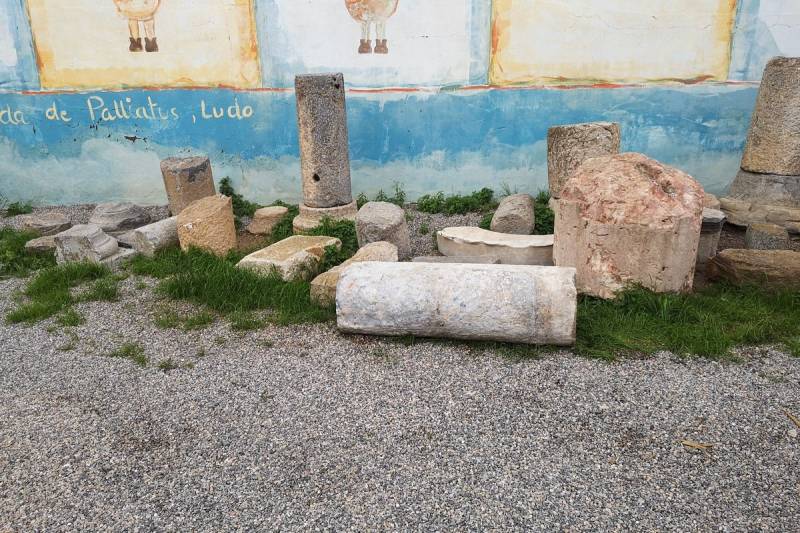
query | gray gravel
(300,428)
(423,227)
(80,213)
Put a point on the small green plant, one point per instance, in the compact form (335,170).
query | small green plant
(166,365)
(506,190)
(544,216)
(245,321)
(14,259)
(70,318)
(476,202)
(345,231)
(398,196)
(424,229)
(132,351)
(198,320)
(167,319)
(18,208)
(283,229)
(105,289)
(241,206)
(70,344)
(486,220)
(361,199)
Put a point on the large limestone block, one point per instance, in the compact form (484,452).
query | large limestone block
(515,214)
(382,221)
(187,179)
(311,217)
(84,242)
(570,145)
(509,249)
(779,268)
(324,151)
(767,189)
(149,239)
(773,143)
(744,213)
(323,287)
(265,219)
(513,303)
(295,258)
(627,219)
(713,221)
(117,217)
(45,224)
(208,223)
(761,236)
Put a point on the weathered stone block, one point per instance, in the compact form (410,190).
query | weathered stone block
(84,242)
(118,217)
(41,244)
(767,189)
(744,213)
(149,239)
(511,303)
(509,249)
(469,259)
(627,219)
(778,268)
(382,221)
(710,201)
(713,221)
(515,214)
(295,258)
(324,150)
(762,236)
(208,223)
(187,179)
(773,143)
(45,224)
(323,287)
(265,219)
(570,145)
(311,217)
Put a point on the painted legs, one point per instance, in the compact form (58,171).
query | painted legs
(365,46)
(150,43)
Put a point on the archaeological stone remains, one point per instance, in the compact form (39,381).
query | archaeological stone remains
(324,150)
(323,287)
(570,145)
(382,221)
(515,214)
(764,236)
(713,221)
(629,220)
(208,224)
(510,303)
(509,249)
(295,258)
(767,188)
(187,179)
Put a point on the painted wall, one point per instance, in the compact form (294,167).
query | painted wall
(450,95)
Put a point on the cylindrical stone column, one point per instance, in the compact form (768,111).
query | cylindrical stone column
(513,303)
(322,128)
(570,145)
(773,143)
(187,179)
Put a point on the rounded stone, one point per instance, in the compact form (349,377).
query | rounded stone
(382,221)
(515,214)
(45,224)
(570,145)
(114,217)
(763,236)
(266,218)
(773,142)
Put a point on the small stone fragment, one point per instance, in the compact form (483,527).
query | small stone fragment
(323,287)
(713,221)
(45,224)
(295,258)
(570,145)
(382,221)
(265,219)
(41,244)
(84,242)
(772,268)
(118,217)
(509,249)
(149,239)
(187,179)
(515,214)
(762,236)
(208,223)
(469,259)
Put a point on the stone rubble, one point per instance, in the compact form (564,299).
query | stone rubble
(766,237)
(509,249)
(713,221)
(471,259)
(570,145)
(118,217)
(265,219)
(295,258)
(84,242)
(149,239)
(772,268)
(45,224)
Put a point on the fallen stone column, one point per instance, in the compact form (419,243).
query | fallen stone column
(509,303)
(187,179)
(149,239)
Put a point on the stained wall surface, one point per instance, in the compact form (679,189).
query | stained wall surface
(450,95)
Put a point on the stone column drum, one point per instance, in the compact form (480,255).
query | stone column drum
(512,303)
(570,145)
(186,179)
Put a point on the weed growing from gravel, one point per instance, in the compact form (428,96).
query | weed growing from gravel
(708,323)
(167,318)
(424,228)
(132,351)
(105,289)
(486,220)
(18,208)
(167,365)
(198,320)
(70,318)
(456,204)
(14,259)
(398,196)
(245,321)
(49,291)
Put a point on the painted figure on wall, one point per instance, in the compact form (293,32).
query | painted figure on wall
(369,12)
(140,11)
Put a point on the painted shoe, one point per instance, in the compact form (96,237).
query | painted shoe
(380,47)
(136,45)
(365,47)
(150,44)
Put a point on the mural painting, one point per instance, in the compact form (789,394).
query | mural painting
(140,12)
(371,13)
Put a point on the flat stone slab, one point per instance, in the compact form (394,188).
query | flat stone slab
(45,224)
(468,259)
(41,244)
(778,268)
(765,236)
(508,303)
(744,213)
(123,254)
(118,217)
(509,249)
(266,218)
(295,258)
(323,287)
(311,217)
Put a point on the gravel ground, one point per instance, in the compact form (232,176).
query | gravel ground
(80,213)
(300,428)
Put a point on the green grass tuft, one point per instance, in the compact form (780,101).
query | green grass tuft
(486,220)
(345,231)
(14,259)
(241,206)
(544,216)
(198,320)
(132,351)
(70,318)
(283,229)
(476,202)
(245,321)
(18,208)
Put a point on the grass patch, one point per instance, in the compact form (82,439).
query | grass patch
(457,204)
(198,320)
(241,206)
(708,323)
(15,260)
(18,208)
(48,292)
(70,318)
(486,220)
(245,321)
(167,319)
(104,289)
(283,229)
(397,197)
(132,351)
(345,231)
(544,216)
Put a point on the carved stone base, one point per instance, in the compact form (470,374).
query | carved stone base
(310,217)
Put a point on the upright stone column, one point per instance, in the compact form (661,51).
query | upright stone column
(187,179)
(767,188)
(570,145)
(324,151)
